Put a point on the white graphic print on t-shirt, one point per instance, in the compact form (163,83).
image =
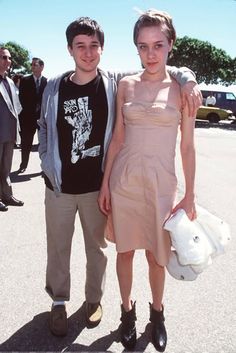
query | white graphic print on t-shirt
(79,116)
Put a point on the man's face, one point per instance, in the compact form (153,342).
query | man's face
(86,51)
(36,68)
(5,61)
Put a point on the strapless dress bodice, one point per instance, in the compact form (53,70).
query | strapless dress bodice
(157,113)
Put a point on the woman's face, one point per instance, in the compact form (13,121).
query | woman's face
(153,48)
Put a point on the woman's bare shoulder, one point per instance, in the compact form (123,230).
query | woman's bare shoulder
(130,78)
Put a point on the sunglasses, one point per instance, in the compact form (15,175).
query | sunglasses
(5,57)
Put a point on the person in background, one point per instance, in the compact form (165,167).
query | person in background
(139,185)
(9,130)
(76,125)
(210,100)
(30,93)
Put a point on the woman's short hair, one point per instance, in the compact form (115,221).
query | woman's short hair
(154,17)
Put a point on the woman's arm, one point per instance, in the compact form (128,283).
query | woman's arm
(187,150)
(114,147)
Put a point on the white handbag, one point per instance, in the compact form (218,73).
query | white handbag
(196,242)
(216,230)
(178,271)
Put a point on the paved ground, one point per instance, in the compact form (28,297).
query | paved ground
(200,315)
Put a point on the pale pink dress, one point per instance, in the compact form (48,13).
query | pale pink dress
(143,182)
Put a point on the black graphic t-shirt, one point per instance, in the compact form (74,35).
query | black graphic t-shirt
(81,124)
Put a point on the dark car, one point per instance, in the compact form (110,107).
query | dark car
(225,98)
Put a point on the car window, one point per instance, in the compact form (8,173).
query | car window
(219,95)
(230,96)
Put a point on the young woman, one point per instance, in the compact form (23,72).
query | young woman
(139,185)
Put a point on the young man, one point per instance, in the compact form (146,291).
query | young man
(30,93)
(9,130)
(75,129)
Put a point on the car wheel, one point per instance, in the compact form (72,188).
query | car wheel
(213,118)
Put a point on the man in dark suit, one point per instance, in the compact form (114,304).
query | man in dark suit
(9,130)
(30,94)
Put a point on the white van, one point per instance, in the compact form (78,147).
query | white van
(225,97)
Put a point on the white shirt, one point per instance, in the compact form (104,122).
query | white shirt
(210,100)
(37,78)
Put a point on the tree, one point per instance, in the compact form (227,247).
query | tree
(20,58)
(211,65)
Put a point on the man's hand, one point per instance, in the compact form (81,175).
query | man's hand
(192,96)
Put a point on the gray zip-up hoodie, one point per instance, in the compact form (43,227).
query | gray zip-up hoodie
(48,136)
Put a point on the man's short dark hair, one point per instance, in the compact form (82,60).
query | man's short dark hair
(84,25)
(40,61)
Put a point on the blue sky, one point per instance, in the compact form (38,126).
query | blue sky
(40,26)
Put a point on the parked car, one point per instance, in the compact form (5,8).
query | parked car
(225,97)
(213,114)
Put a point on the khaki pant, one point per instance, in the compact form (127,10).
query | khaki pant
(60,219)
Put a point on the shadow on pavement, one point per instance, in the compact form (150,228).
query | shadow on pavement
(36,337)
(222,125)
(102,344)
(18,178)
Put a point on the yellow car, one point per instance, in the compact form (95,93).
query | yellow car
(213,114)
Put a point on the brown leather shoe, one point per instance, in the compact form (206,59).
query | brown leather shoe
(58,320)
(93,314)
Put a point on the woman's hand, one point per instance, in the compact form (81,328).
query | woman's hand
(104,199)
(192,96)
(187,204)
